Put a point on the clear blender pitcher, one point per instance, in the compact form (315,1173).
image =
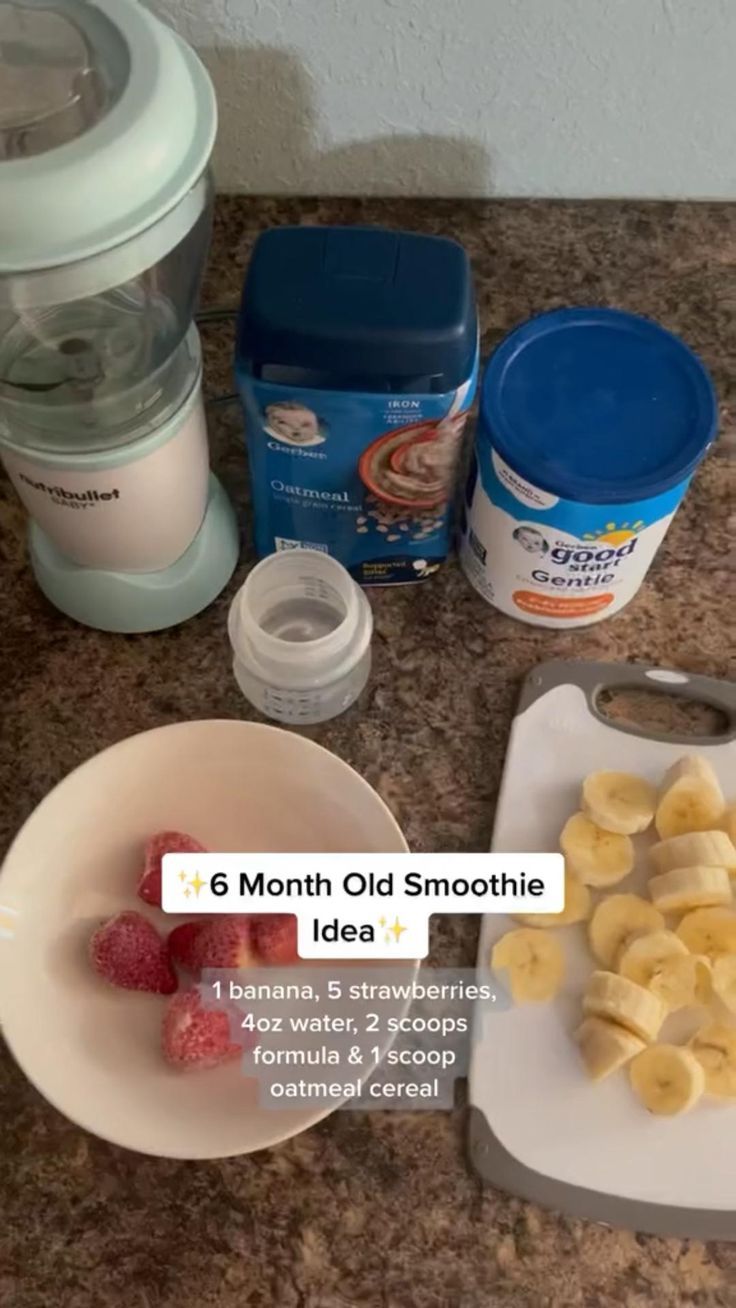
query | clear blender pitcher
(107,121)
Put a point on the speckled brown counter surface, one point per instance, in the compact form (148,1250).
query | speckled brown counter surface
(377,1209)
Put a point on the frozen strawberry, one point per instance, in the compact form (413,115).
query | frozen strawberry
(128,952)
(225,942)
(193,1036)
(274,938)
(164,842)
(180,944)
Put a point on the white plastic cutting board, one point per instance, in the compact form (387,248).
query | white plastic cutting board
(538,1126)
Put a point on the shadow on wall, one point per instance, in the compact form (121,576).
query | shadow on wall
(269,139)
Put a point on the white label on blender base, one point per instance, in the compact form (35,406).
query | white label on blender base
(140,516)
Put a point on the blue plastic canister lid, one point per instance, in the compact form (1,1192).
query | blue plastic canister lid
(598,406)
(394,310)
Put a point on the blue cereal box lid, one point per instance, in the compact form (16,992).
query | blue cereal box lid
(597,405)
(358,308)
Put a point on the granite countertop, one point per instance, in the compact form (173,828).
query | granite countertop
(376,1209)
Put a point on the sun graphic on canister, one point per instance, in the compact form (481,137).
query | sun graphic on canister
(616,534)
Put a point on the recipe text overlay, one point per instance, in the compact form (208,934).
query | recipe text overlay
(329,1036)
(363,905)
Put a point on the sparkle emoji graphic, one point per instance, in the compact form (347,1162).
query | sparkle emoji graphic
(197,884)
(393,933)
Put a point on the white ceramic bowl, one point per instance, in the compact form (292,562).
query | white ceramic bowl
(92,1050)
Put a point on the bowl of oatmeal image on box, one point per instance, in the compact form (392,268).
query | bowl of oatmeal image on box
(415,467)
(99,998)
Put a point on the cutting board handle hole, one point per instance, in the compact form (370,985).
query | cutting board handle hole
(660,712)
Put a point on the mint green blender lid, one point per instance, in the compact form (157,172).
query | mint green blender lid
(107,119)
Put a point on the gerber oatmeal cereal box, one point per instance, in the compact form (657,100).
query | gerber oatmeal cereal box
(357,363)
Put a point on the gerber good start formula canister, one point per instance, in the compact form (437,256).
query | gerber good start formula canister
(357,362)
(592,422)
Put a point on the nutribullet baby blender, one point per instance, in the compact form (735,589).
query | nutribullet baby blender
(107,122)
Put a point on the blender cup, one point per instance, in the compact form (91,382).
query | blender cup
(107,121)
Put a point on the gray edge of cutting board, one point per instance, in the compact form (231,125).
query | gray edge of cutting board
(592,678)
(488,1157)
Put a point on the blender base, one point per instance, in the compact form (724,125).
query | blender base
(143,601)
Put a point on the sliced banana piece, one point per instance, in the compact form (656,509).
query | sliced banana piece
(685,888)
(597,857)
(605,1046)
(534,962)
(619,802)
(709,931)
(620,1000)
(690,798)
(615,920)
(696,849)
(703,979)
(714,1046)
(724,980)
(660,961)
(668,1079)
(643,955)
(690,765)
(577,907)
(679,981)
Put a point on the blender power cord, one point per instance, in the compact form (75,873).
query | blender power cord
(218,314)
(204,319)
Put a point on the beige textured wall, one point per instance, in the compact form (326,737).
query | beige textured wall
(480,97)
